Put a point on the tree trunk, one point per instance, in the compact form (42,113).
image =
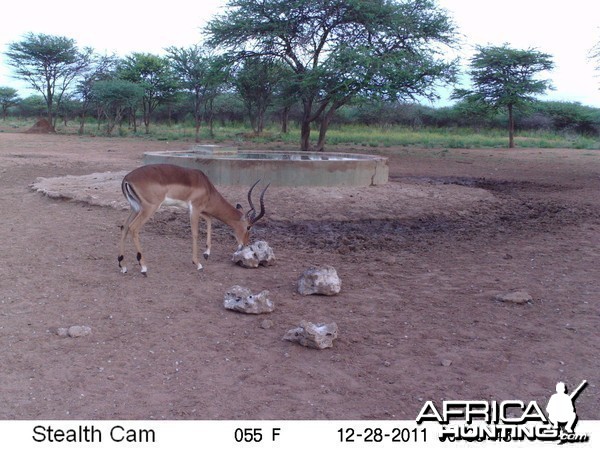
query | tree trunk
(197,115)
(305,135)
(146,115)
(305,125)
(134,119)
(252,118)
(324,127)
(260,121)
(511,127)
(81,123)
(49,103)
(285,115)
(197,126)
(98,118)
(210,118)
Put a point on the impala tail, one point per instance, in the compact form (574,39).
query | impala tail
(131,196)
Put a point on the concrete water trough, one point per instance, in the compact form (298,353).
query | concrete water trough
(230,166)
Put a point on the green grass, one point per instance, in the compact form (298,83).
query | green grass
(453,138)
(368,137)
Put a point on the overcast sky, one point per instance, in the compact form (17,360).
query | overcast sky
(567,30)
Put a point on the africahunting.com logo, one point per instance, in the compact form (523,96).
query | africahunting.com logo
(510,420)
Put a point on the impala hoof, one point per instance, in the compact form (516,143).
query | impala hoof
(206,255)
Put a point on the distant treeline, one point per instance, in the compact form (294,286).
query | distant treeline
(564,117)
(229,108)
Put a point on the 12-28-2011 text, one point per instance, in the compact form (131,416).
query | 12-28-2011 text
(380,435)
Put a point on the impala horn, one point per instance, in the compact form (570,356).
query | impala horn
(251,214)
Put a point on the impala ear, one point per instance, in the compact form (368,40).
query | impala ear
(238,206)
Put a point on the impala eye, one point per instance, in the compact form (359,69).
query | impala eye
(238,206)
(248,228)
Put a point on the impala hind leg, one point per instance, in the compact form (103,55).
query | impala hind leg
(135,226)
(124,233)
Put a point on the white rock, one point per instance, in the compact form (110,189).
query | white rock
(257,254)
(238,298)
(62,332)
(245,257)
(308,334)
(319,280)
(263,252)
(79,331)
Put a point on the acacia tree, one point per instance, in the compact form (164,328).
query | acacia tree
(114,98)
(8,97)
(102,68)
(256,81)
(49,64)
(154,75)
(200,73)
(338,49)
(504,77)
(215,82)
(286,97)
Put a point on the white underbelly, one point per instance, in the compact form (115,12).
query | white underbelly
(175,202)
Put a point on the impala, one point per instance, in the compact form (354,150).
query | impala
(148,187)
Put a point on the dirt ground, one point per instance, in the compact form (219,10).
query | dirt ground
(421,261)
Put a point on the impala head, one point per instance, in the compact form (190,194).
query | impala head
(251,217)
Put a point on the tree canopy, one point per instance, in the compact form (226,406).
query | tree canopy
(338,49)
(201,73)
(504,77)
(256,82)
(114,98)
(49,64)
(154,75)
(8,97)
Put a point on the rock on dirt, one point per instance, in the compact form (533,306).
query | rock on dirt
(319,280)
(516,297)
(257,254)
(308,334)
(241,299)
(74,331)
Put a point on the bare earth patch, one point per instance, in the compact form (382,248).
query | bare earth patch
(423,262)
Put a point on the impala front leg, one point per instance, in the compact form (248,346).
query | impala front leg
(208,234)
(194,222)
